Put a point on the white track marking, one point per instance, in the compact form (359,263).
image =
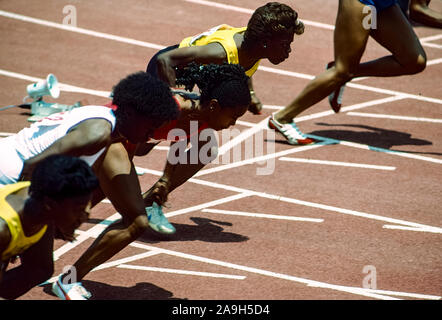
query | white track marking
(394,153)
(63,87)
(378,294)
(338,163)
(257,159)
(249,11)
(184,272)
(424,41)
(352,107)
(112,263)
(272,107)
(261,215)
(301,202)
(208,204)
(434,61)
(354,85)
(136,257)
(394,117)
(431,38)
(80,30)
(95,230)
(423,229)
(155,46)
(241,137)
(431,45)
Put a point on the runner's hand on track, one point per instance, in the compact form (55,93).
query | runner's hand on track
(157,193)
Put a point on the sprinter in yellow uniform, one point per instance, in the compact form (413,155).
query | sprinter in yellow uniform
(268,35)
(33,214)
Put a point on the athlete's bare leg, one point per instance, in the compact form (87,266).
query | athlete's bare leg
(350,39)
(394,33)
(420,12)
(119,182)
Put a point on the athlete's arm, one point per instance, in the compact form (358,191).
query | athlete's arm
(86,138)
(255,102)
(175,175)
(169,60)
(36,267)
(119,182)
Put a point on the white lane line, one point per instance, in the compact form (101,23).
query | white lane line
(94,231)
(434,61)
(354,85)
(257,159)
(431,45)
(405,294)
(431,38)
(303,203)
(306,22)
(126,260)
(423,229)
(79,30)
(311,283)
(249,11)
(338,163)
(99,228)
(184,272)
(6,134)
(155,46)
(287,73)
(394,153)
(272,107)
(394,117)
(261,215)
(162,148)
(241,137)
(208,204)
(351,107)
(63,86)
(113,263)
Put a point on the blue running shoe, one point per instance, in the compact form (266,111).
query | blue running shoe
(70,291)
(157,220)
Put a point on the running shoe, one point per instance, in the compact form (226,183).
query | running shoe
(70,291)
(290,131)
(335,98)
(157,220)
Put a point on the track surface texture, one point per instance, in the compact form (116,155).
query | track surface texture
(363,222)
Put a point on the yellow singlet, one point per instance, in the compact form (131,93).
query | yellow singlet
(19,242)
(223,34)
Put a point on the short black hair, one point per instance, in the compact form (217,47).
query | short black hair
(60,176)
(145,94)
(225,82)
(270,20)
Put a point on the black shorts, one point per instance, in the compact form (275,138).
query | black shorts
(152,65)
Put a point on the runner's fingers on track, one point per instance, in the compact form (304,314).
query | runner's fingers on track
(158,193)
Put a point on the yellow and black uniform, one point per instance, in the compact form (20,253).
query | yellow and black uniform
(19,241)
(222,34)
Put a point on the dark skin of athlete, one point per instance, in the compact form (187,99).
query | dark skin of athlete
(275,50)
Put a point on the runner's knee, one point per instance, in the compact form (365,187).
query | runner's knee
(420,63)
(414,62)
(342,74)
